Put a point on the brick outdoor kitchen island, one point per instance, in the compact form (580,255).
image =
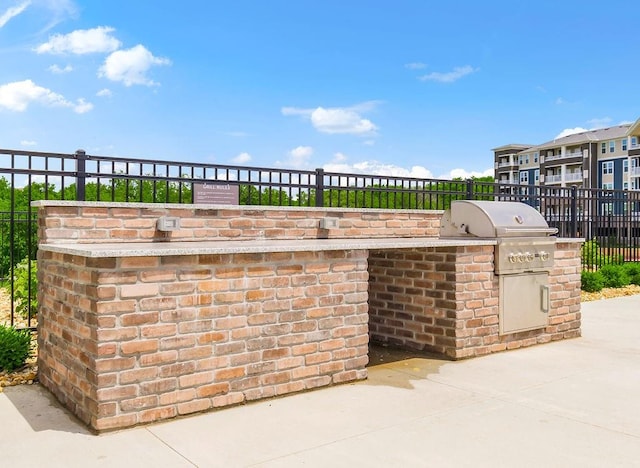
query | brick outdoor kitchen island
(243,303)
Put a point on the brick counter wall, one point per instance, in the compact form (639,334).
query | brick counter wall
(124,341)
(130,340)
(105,223)
(446,300)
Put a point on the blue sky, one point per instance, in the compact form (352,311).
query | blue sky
(406,87)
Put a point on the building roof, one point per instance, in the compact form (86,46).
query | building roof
(591,136)
(635,128)
(515,146)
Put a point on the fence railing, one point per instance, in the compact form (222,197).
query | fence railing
(608,219)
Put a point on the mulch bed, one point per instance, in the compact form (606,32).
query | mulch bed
(609,293)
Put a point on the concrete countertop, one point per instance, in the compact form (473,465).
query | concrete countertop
(162,249)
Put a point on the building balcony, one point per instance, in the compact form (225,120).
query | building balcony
(573,176)
(634,171)
(552,179)
(574,154)
(506,164)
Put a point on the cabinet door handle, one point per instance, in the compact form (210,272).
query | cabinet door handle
(544,298)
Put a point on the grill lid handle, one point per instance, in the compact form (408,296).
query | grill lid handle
(526,231)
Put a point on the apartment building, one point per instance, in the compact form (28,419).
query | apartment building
(606,158)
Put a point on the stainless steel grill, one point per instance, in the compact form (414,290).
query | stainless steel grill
(524,255)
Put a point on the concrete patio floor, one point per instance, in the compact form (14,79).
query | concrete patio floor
(573,403)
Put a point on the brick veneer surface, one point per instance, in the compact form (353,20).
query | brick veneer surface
(446,300)
(98,223)
(132,340)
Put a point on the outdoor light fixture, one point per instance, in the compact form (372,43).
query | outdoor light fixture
(168,223)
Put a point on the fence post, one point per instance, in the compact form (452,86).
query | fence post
(574,212)
(319,188)
(81,174)
(469,189)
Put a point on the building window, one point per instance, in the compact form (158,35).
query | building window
(520,160)
(625,186)
(612,146)
(607,167)
(535,157)
(603,147)
(536,175)
(524,177)
(526,159)
(607,185)
(634,141)
(624,144)
(625,165)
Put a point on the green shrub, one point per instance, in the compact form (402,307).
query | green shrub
(15,348)
(592,281)
(25,271)
(633,271)
(592,254)
(615,276)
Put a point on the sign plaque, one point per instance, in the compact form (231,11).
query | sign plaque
(214,193)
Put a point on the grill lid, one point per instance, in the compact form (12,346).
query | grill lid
(493,219)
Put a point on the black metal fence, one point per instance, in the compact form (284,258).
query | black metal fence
(608,219)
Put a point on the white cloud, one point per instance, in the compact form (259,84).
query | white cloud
(560,101)
(82,106)
(18,95)
(570,131)
(339,157)
(58,11)
(81,41)
(464,174)
(415,65)
(242,158)
(419,172)
(340,121)
(58,71)
(337,120)
(12,12)
(449,77)
(297,158)
(105,92)
(369,142)
(238,134)
(296,111)
(599,122)
(28,143)
(131,66)
(594,124)
(377,168)
(300,155)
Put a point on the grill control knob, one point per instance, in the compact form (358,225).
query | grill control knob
(512,258)
(529,256)
(520,258)
(544,256)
